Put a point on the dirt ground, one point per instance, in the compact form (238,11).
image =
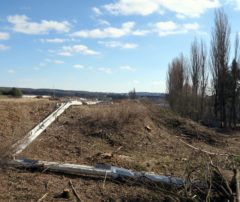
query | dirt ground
(145,140)
(26,186)
(18,116)
(134,135)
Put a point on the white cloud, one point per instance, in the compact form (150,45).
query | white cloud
(128,68)
(130,7)
(105,70)
(54,40)
(103,22)
(109,32)
(3,47)
(4,36)
(22,24)
(118,44)
(65,53)
(140,32)
(70,50)
(191,26)
(166,26)
(190,8)
(59,62)
(171,28)
(77,66)
(96,10)
(129,46)
(180,16)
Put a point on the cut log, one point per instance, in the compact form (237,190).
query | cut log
(109,171)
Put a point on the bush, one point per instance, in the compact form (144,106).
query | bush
(15,92)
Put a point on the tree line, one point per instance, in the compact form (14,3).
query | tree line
(205,85)
(15,92)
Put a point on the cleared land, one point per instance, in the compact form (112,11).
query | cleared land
(139,136)
(144,136)
(18,116)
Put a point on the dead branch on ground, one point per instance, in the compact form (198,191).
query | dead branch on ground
(42,198)
(74,191)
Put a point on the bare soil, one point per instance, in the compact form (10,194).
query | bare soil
(18,116)
(134,135)
(26,186)
(146,138)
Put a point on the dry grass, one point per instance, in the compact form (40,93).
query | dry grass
(149,140)
(89,134)
(18,116)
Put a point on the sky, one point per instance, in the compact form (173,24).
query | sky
(101,45)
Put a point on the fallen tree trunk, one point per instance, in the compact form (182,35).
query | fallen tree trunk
(37,130)
(216,184)
(43,125)
(100,170)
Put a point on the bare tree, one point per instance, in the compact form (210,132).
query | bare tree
(177,83)
(234,83)
(187,82)
(132,94)
(203,76)
(199,77)
(220,48)
(195,67)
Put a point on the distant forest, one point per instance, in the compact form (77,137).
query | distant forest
(84,94)
(205,85)
(15,92)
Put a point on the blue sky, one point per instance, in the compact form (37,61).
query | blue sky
(107,45)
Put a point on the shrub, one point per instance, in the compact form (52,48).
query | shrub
(16,92)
